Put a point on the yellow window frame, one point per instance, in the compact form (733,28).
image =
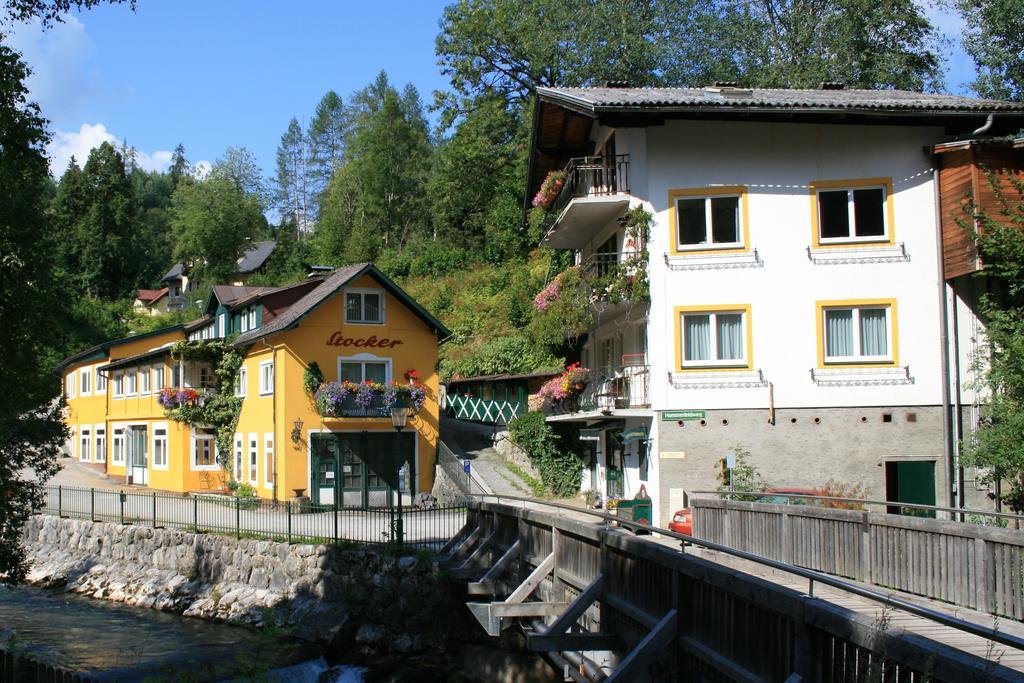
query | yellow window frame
(819,310)
(713,191)
(853,184)
(748,332)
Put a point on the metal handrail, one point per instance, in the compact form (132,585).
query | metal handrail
(812,576)
(865,501)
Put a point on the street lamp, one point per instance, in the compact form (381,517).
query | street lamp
(399,418)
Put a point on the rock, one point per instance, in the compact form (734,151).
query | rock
(406,563)
(370,634)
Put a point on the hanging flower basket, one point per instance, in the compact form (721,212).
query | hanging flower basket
(549,189)
(335,399)
(178,397)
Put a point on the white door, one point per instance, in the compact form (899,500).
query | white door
(138,456)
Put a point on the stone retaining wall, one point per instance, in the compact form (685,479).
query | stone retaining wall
(382,602)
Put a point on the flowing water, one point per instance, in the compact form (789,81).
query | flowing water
(113,642)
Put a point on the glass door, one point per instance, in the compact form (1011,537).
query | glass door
(325,466)
(138,456)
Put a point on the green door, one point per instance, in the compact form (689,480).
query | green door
(911,482)
(363,469)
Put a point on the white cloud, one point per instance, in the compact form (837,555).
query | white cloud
(61,62)
(78,143)
(201,169)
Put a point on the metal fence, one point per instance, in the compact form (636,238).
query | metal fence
(259,518)
(454,468)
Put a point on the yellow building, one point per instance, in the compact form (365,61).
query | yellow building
(355,324)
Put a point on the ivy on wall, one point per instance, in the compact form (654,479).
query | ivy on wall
(560,467)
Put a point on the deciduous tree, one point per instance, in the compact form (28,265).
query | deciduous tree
(994,38)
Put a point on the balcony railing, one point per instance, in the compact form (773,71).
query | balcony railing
(349,408)
(593,177)
(621,388)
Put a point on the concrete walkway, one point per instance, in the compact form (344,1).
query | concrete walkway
(472,441)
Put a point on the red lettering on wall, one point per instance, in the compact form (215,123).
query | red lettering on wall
(338,339)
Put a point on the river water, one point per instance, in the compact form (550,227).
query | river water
(114,642)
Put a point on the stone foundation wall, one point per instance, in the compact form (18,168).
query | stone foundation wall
(445,490)
(514,454)
(380,602)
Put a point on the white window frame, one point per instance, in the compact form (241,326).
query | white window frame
(268,460)
(840,360)
(713,342)
(118,384)
(207,377)
(145,381)
(164,441)
(708,233)
(362,291)
(264,389)
(242,382)
(84,443)
(132,380)
(252,318)
(367,358)
(221,323)
(245,321)
(252,464)
(196,437)
(85,382)
(70,384)
(99,432)
(239,456)
(101,382)
(851,215)
(118,444)
(159,380)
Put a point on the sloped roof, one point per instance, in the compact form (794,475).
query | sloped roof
(175,273)
(230,295)
(330,285)
(137,359)
(102,348)
(592,100)
(151,296)
(255,256)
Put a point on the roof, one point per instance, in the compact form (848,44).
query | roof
(138,358)
(176,272)
(502,378)
(151,296)
(593,100)
(102,348)
(325,290)
(197,323)
(255,256)
(231,295)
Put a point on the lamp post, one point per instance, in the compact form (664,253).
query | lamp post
(399,418)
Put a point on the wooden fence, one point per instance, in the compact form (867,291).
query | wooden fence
(671,616)
(479,410)
(970,565)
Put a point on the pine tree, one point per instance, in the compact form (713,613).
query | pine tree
(292,163)
(327,133)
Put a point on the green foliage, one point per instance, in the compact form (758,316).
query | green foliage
(560,467)
(514,354)
(995,446)
(744,477)
(31,303)
(312,378)
(994,38)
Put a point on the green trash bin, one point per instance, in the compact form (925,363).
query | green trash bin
(635,510)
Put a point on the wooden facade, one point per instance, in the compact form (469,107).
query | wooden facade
(963,179)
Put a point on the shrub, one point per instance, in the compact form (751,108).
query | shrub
(560,468)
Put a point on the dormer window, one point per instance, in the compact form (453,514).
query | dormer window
(252,318)
(364,306)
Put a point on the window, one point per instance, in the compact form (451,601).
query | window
(101,443)
(364,306)
(358,371)
(266,377)
(245,322)
(253,458)
(207,378)
(160,446)
(861,332)
(83,451)
(712,337)
(118,384)
(852,211)
(221,320)
(86,382)
(144,377)
(131,382)
(159,377)
(69,385)
(268,460)
(252,318)
(241,382)
(101,382)
(708,219)
(239,456)
(204,449)
(117,454)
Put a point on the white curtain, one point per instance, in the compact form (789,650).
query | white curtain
(697,333)
(838,333)
(874,338)
(729,327)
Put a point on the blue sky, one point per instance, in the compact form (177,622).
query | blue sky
(225,73)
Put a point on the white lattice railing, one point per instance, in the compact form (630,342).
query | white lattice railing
(479,410)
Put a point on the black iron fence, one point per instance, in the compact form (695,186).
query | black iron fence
(287,522)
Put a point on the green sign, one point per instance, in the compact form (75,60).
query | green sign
(684,414)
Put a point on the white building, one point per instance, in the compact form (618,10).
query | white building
(798,307)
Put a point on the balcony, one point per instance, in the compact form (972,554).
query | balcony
(349,408)
(596,190)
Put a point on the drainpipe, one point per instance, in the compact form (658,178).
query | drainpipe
(947,418)
(987,127)
(273,417)
(958,409)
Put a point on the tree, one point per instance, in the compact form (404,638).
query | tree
(50,11)
(327,133)
(179,165)
(292,160)
(31,428)
(239,165)
(212,220)
(994,38)
(996,445)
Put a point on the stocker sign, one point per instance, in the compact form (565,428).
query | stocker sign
(372,342)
